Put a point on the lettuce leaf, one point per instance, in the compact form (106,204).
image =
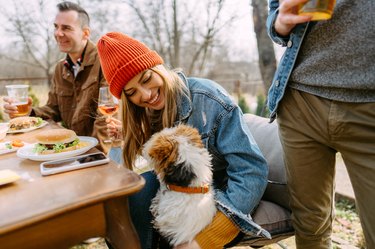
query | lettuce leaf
(56,147)
(75,142)
(39,122)
(39,148)
(59,147)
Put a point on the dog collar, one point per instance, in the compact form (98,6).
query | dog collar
(203,189)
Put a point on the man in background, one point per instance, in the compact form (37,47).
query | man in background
(73,96)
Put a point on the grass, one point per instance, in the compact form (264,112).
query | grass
(347,226)
(100,244)
(347,231)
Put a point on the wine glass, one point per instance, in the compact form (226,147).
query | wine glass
(107,105)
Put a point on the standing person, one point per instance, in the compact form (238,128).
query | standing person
(323,95)
(73,96)
(155,97)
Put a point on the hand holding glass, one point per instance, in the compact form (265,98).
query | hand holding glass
(18,94)
(107,104)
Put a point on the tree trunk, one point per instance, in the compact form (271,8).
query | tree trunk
(176,37)
(267,58)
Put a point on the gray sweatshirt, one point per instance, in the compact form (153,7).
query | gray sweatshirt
(337,58)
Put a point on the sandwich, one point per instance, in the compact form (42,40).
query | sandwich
(21,123)
(56,141)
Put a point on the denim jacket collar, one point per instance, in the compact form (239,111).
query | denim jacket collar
(185,105)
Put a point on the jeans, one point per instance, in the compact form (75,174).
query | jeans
(115,153)
(139,205)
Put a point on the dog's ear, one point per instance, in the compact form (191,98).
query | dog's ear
(179,174)
(191,133)
(165,149)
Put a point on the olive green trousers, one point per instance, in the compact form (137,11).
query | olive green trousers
(312,131)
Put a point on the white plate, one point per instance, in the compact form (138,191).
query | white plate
(27,152)
(44,123)
(5,150)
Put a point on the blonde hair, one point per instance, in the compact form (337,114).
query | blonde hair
(136,120)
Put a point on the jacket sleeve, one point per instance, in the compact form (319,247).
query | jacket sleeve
(247,169)
(216,235)
(273,11)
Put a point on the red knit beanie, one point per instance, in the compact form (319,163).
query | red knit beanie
(122,58)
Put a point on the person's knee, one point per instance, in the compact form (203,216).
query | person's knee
(313,231)
(310,225)
(148,192)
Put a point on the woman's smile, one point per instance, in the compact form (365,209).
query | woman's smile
(154,99)
(156,102)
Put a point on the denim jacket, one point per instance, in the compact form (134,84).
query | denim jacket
(239,168)
(292,43)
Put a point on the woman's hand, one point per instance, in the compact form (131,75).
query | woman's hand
(114,128)
(192,245)
(288,17)
(11,109)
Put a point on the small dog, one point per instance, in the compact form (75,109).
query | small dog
(184,204)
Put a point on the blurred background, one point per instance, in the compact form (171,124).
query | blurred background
(224,40)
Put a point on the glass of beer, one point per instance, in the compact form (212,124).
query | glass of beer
(318,9)
(107,105)
(19,96)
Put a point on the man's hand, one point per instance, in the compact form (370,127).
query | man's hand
(288,17)
(11,109)
(192,245)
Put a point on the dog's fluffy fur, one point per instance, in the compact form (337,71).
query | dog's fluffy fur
(178,157)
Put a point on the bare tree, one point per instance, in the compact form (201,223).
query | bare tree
(104,16)
(267,58)
(186,33)
(34,36)
(30,24)
(176,31)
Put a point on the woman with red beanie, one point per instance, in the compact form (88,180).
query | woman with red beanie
(154,97)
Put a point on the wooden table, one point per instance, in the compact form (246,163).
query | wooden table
(59,211)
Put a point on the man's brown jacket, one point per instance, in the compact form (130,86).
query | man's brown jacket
(74,100)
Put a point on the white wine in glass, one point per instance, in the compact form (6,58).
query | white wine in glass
(107,105)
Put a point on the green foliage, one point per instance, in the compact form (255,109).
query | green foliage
(243,105)
(63,124)
(1,117)
(347,225)
(262,109)
(34,98)
(346,205)
(346,209)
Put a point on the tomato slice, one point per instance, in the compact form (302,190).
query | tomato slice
(17,143)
